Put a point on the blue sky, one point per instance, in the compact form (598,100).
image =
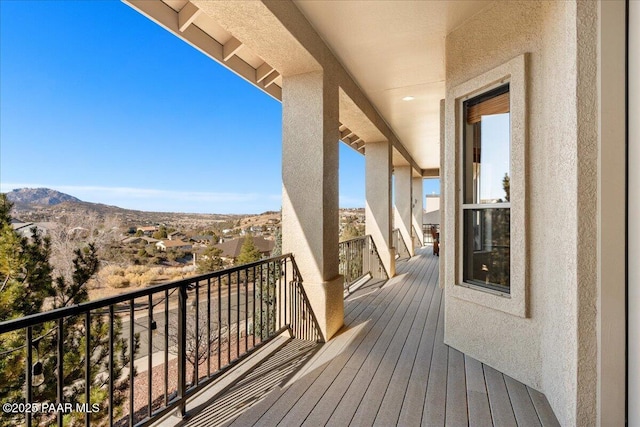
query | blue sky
(101,103)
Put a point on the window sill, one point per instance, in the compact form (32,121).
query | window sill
(508,303)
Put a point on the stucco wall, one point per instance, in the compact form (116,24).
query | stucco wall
(541,350)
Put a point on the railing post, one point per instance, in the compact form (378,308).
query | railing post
(29,391)
(182,349)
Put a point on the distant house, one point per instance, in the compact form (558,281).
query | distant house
(137,240)
(256,228)
(203,239)
(231,248)
(148,230)
(175,235)
(78,233)
(24,228)
(431,209)
(165,245)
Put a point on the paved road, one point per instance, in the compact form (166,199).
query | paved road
(140,325)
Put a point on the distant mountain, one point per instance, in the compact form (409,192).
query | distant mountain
(39,196)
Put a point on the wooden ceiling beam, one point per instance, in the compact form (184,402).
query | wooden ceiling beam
(187,15)
(230,48)
(346,133)
(270,79)
(263,71)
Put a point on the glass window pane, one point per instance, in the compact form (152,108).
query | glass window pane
(494,165)
(486,248)
(487,148)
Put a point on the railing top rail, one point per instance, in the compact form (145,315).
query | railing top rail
(74,310)
(355,239)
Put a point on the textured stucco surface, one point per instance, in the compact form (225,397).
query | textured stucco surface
(403,199)
(418,207)
(553,349)
(515,71)
(378,201)
(259,29)
(310,190)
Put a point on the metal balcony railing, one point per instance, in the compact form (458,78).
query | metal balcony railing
(358,258)
(162,343)
(426,230)
(402,252)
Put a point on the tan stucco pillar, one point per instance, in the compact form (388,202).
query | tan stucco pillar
(403,198)
(378,207)
(310,191)
(418,208)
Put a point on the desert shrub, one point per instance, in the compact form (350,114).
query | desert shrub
(118,282)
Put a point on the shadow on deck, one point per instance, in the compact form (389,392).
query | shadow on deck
(387,366)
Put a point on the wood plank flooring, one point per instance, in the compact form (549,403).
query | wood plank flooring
(388,366)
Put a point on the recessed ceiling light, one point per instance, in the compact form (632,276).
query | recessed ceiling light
(408,98)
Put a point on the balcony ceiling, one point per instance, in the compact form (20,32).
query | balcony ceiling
(391,50)
(395,49)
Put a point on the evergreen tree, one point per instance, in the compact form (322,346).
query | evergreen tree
(25,277)
(349,232)
(248,252)
(266,286)
(28,287)
(210,260)
(506,186)
(277,247)
(162,233)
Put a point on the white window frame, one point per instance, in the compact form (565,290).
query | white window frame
(514,73)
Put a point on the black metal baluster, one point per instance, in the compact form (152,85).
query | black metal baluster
(60,373)
(166,347)
(131,367)
(111,339)
(219,323)
(228,318)
(208,327)
(182,348)
(29,390)
(149,354)
(246,308)
(284,304)
(87,367)
(238,313)
(283,296)
(262,286)
(196,374)
(253,307)
(269,299)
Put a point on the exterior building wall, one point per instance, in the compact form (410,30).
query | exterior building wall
(403,204)
(553,346)
(432,203)
(417,209)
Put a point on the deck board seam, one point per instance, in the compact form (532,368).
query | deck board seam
(385,295)
(431,292)
(426,293)
(409,288)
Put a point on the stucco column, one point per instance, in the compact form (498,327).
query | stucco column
(378,207)
(403,196)
(418,208)
(310,191)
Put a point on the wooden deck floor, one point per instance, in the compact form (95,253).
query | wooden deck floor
(388,366)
